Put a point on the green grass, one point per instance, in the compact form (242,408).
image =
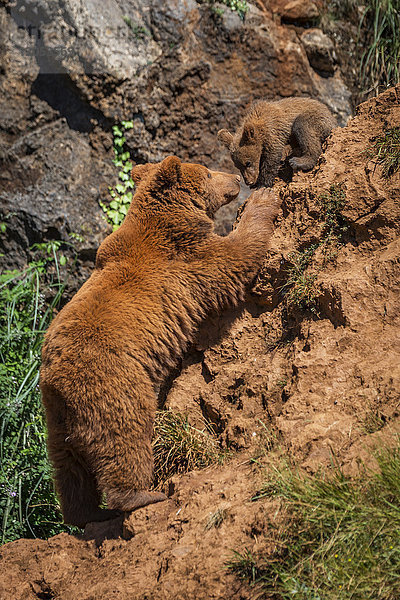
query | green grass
(341,540)
(385,150)
(380,62)
(178,447)
(28,506)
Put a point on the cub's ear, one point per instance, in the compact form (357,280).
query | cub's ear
(139,172)
(249,132)
(169,171)
(225,138)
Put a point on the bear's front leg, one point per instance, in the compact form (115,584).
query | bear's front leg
(229,264)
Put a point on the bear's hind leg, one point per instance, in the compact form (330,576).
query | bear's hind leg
(76,485)
(127,477)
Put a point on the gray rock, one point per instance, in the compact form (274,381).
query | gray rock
(320,51)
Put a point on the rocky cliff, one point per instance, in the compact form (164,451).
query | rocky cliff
(180,70)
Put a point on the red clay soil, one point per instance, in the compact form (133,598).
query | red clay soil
(309,383)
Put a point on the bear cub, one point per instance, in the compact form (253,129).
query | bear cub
(109,349)
(261,142)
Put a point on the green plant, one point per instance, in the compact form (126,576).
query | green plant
(178,447)
(341,539)
(245,566)
(51,251)
(139,31)
(299,288)
(28,506)
(334,223)
(239,6)
(380,61)
(385,150)
(121,195)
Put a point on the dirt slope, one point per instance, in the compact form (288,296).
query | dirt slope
(312,381)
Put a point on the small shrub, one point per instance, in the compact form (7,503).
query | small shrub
(178,447)
(121,195)
(331,205)
(386,151)
(299,288)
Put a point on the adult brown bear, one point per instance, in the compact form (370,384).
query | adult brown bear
(108,349)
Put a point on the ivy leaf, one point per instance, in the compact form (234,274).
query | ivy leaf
(127,167)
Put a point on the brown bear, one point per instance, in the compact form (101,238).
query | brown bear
(107,351)
(260,144)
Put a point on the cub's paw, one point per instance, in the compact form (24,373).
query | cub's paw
(294,163)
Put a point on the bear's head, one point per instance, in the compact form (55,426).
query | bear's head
(245,148)
(172,182)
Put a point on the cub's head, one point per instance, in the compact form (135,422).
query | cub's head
(245,148)
(173,183)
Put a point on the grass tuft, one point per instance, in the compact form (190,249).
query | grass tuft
(216,519)
(342,541)
(380,62)
(245,566)
(178,447)
(386,151)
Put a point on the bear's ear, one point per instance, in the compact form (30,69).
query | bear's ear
(140,171)
(169,171)
(249,132)
(225,138)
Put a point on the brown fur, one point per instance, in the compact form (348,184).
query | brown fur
(260,144)
(106,352)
